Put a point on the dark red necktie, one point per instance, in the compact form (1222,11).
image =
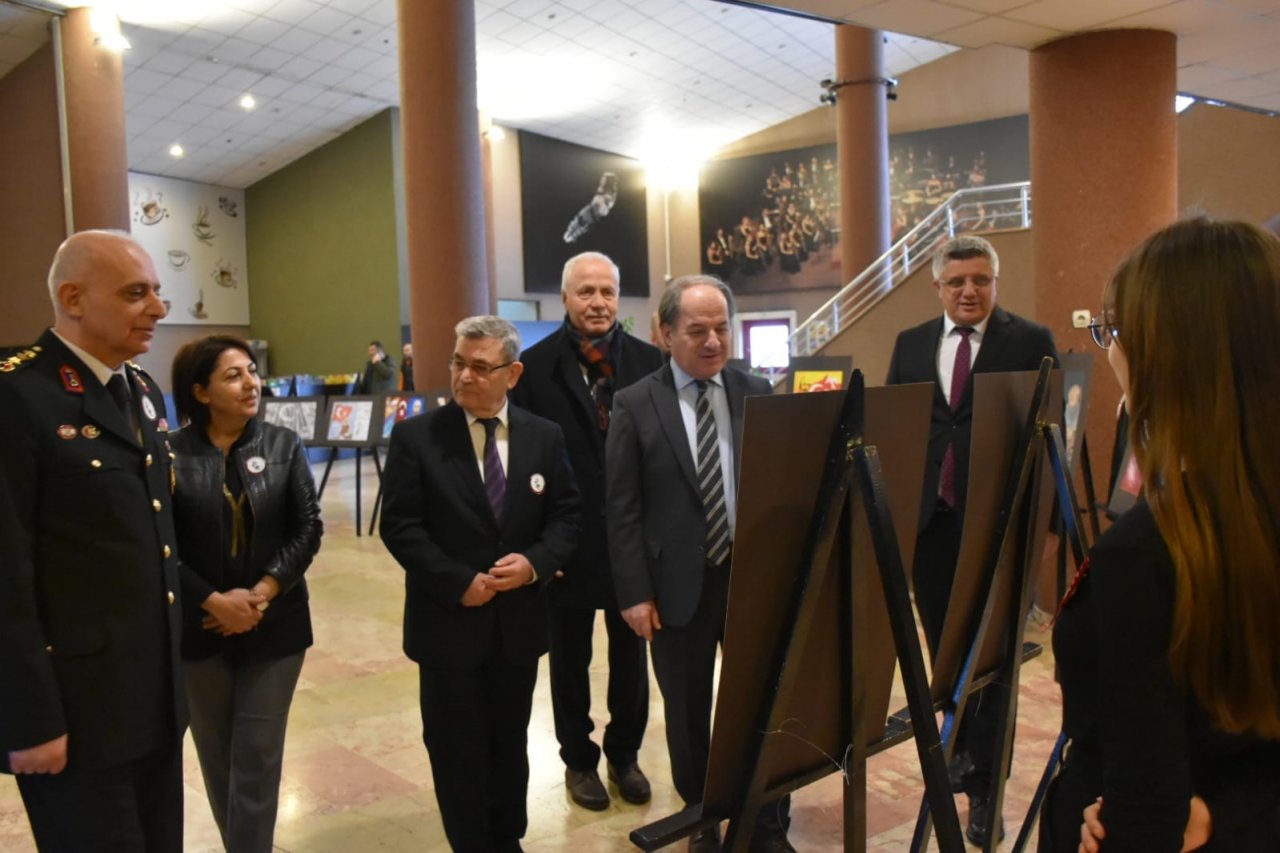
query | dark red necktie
(959,382)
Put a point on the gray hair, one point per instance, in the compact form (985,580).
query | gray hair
(489,326)
(963,248)
(570,264)
(669,307)
(76,256)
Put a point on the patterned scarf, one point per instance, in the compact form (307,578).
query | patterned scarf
(596,355)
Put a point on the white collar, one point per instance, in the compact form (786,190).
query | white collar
(501,416)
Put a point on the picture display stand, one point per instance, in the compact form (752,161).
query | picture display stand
(353,421)
(1007,515)
(829,624)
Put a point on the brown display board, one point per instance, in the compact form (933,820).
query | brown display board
(1000,405)
(784,445)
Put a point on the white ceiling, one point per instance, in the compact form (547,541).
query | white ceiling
(622,75)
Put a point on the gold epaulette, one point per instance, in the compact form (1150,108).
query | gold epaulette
(18,359)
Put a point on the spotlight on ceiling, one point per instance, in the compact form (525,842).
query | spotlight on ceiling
(248,103)
(175,151)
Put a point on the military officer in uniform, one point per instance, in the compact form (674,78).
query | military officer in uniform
(91,714)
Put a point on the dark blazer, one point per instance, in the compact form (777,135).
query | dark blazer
(657,531)
(552,386)
(286,537)
(1011,343)
(437,523)
(89,622)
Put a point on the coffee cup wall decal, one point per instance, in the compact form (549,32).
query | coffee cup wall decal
(225,275)
(201,227)
(178,259)
(149,207)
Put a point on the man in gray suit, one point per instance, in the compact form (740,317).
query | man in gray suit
(671,463)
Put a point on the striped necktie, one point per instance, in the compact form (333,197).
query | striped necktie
(711,480)
(495,479)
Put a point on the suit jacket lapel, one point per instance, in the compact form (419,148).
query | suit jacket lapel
(462,454)
(667,404)
(98,405)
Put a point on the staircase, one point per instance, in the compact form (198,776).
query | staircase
(1002,207)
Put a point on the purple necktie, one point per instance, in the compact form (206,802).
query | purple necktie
(959,381)
(495,479)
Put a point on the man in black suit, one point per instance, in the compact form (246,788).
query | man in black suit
(481,510)
(972,336)
(570,377)
(672,464)
(91,712)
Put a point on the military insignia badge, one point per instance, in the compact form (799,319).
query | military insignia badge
(537,484)
(90,431)
(148,408)
(256,464)
(67,431)
(71,379)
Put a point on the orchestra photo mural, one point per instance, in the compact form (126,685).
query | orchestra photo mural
(771,222)
(577,199)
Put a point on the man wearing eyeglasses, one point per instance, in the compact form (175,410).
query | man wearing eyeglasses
(571,377)
(973,335)
(481,509)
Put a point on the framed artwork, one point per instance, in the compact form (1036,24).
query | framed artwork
(1077,370)
(819,373)
(300,414)
(577,199)
(400,407)
(353,422)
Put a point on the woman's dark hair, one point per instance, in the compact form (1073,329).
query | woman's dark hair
(193,365)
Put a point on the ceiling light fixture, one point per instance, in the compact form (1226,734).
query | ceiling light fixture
(831,88)
(495,133)
(175,151)
(248,102)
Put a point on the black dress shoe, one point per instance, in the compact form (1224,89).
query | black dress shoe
(976,831)
(961,766)
(586,789)
(705,840)
(631,782)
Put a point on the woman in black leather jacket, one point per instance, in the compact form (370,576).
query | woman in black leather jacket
(248,526)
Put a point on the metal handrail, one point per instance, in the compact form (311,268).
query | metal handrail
(1000,207)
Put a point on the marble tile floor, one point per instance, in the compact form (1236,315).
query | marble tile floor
(356,776)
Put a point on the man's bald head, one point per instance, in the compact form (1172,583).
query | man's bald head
(106,295)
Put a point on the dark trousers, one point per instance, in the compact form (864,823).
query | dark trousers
(684,661)
(628,692)
(475,723)
(130,808)
(238,720)
(937,549)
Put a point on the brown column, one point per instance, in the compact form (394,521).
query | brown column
(1103,176)
(96,139)
(862,142)
(444,202)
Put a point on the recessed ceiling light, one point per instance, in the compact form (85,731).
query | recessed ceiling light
(175,150)
(248,102)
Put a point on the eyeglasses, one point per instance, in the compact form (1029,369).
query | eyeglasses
(478,369)
(978,281)
(1103,330)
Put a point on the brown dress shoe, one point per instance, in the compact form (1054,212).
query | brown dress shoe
(631,782)
(586,789)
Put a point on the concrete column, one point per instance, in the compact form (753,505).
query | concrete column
(444,201)
(862,142)
(96,140)
(1103,176)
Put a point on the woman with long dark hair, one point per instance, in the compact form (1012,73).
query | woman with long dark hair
(1168,644)
(248,526)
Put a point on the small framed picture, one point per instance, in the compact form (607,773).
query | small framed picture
(354,421)
(400,407)
(300,414)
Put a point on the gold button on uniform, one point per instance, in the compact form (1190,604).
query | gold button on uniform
(95,463)
(171,598)
(49,649)
(149,460)
(155,505)
(167,552)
